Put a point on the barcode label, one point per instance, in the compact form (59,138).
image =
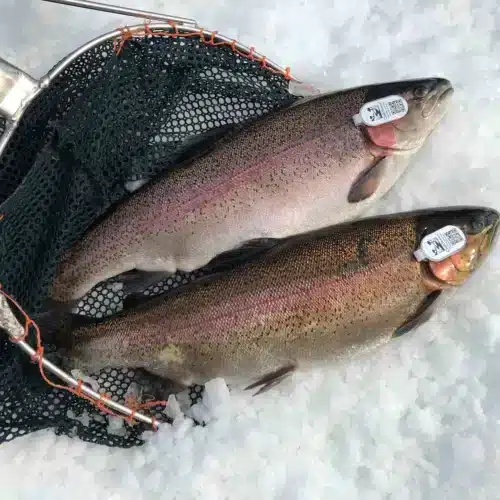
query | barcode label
(397,107)
(381,111)
(453,236)
(441,244)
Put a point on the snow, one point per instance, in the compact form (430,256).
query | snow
(417,419)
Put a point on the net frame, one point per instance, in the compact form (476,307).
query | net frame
(9,124)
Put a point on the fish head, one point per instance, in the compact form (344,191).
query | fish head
(428,101)
(480,226)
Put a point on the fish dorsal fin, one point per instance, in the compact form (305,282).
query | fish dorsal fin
(367,182)
(420,316)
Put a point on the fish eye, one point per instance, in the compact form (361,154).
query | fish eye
(421,91)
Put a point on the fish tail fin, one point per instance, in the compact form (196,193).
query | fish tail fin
(135,282)
(55,327)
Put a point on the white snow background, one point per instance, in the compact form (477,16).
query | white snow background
(417,419)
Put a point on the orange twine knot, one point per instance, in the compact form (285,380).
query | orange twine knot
(78,389)
(119,43)
(126,35)
(147,29)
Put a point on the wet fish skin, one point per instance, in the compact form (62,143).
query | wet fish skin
(309,300)
(288,172)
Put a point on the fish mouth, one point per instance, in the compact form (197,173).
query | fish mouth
(456,269)
(428,100)
(438,98)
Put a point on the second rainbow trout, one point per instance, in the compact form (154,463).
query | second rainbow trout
(309,299)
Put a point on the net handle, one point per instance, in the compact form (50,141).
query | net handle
(17,90)
(126,11)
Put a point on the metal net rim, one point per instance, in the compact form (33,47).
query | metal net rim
(135,31)
(138,30)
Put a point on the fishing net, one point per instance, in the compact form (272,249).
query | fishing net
(119,113)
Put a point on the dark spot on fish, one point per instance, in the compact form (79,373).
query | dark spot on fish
(362,250)
(361,260)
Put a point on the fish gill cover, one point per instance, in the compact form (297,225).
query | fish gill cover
(110,118)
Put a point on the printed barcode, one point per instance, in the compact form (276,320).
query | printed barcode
(396,107)
(453,236)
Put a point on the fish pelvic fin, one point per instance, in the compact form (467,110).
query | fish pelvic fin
(420,316)
(271,379)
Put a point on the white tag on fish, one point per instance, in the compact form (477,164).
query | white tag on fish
(380,111)
(441,244)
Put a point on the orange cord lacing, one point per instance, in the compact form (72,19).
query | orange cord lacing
(100,402)
(127,35)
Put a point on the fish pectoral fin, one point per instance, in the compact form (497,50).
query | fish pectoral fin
(420,316)
(243,254)
(271,379)
(137,281)
(368,182)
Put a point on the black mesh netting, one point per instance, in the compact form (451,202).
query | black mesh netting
(104,121)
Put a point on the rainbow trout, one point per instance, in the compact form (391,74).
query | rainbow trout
(295,170)
(307,300)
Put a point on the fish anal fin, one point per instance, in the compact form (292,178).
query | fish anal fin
(420,316)
(271,379)
(367,182)
(136,281)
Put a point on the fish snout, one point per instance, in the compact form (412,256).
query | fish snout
(437,98)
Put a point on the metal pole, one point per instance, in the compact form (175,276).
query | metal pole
(16,331)
(124,410)
(125,11)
